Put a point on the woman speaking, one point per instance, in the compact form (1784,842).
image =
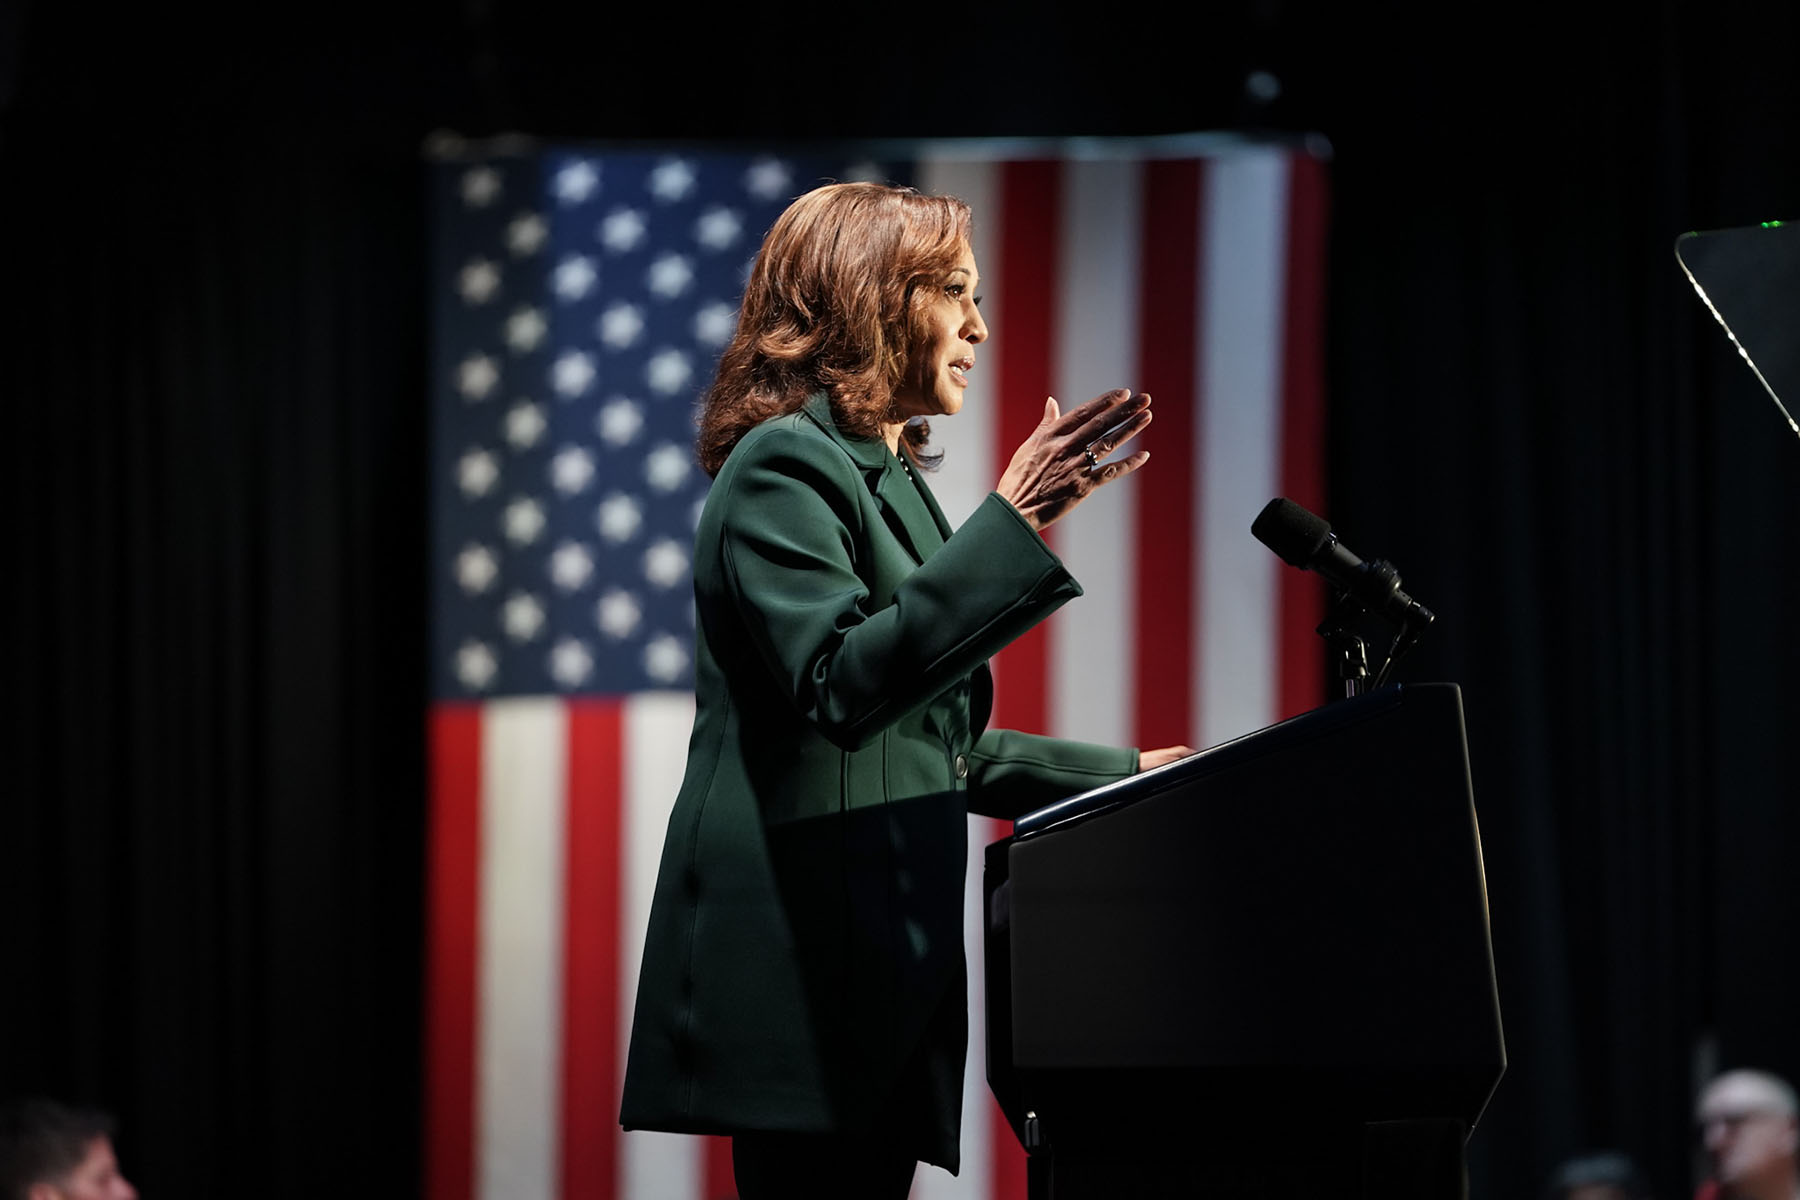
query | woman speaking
(803,981)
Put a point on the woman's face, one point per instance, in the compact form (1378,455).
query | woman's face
(938,366)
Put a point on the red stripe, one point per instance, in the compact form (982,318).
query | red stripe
(453,855)
(1030,203)
(591,1074)
(717,1181)
(1301,603)
(1168,360)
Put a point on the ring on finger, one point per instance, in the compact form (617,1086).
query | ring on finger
(1094,459)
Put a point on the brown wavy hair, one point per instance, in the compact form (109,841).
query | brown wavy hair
(833,305)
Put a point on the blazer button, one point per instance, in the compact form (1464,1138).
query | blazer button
(962,766)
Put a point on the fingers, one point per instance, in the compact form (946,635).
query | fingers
(1120,469)
(1151,759)
(1064,459)
(1110,417)
(1098,450)
(1077,419)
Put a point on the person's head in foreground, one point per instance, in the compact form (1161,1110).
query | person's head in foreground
(52,1152)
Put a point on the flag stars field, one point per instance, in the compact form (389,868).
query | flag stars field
(477,376)
(669,276)
(522,616)
(620,325)
(667,467)
(480,186)
(666,659)
(570,662)
(718,228)
(672,180)
(523,521)
(478,281)
(619,518)
(571,470)
(575,182)
(571,566)
(665,563)
(574,277)
(619,421)
(767,179)
(526,234)
(617,613)
(477,473)
(572,373)
(476,569)
(623,230)
(525,330)
(713,324)
(524,425)
(475,665)
(668,371)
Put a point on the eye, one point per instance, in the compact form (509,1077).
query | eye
(955,290)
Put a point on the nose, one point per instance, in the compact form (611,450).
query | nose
(975,329)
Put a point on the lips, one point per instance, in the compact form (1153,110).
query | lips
(961,368)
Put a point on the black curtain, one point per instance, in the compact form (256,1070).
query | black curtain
(214,381)
(211,846)
(1533,415)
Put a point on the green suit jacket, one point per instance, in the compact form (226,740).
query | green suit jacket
(804,966)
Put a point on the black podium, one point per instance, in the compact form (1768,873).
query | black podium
(1262,971)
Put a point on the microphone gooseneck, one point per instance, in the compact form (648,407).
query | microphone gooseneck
(1303,539)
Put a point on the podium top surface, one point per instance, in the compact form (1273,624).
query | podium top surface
(1273,740)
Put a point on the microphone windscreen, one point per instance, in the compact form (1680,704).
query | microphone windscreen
(1290,531)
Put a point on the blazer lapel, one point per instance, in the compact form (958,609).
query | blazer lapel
(910,511)
(937,514)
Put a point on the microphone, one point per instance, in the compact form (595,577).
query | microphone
(1304,540)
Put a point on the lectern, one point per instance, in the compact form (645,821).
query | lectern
(1263,971)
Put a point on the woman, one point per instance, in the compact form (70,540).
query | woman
(803,978)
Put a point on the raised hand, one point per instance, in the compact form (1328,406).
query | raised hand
(1064,459)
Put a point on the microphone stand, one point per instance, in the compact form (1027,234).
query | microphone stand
(1417,618)
(1349,654)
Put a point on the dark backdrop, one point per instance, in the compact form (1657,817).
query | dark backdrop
(213,378)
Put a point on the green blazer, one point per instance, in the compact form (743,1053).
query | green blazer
(804,966)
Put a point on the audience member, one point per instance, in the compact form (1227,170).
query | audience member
(52,1152)
(1598,1175)
(1750,1126)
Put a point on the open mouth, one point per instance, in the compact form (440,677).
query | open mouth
(960,369)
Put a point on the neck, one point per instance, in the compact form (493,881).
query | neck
(890,433)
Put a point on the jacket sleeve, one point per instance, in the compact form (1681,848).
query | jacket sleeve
(1012,773)
(855,662)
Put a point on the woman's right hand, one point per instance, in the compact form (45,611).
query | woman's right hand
(1064,459)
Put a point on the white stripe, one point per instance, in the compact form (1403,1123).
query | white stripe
(967,439)
(971,1183)
(652,1166)
(1244,235)
(523,769)
(1095,349)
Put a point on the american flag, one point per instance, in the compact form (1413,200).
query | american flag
(581,298)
